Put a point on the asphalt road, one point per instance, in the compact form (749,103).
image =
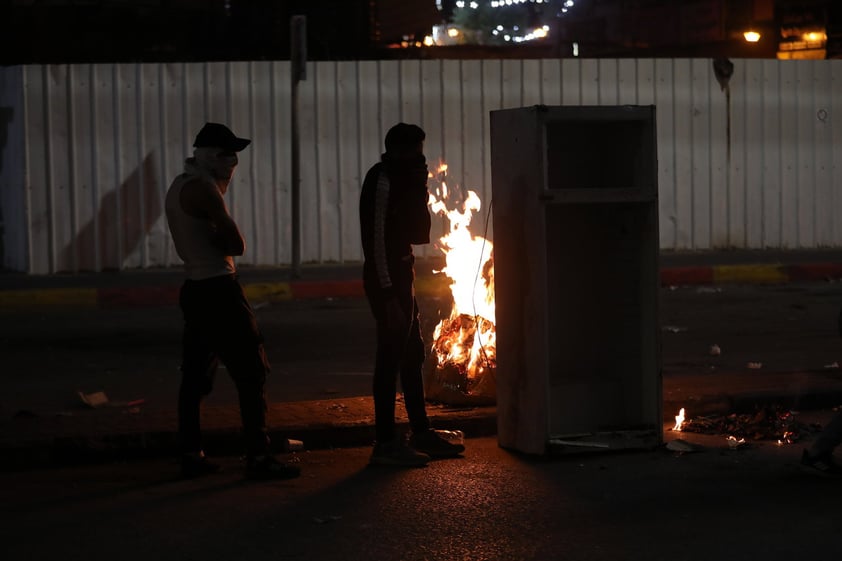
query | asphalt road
(717,504)
(325,348)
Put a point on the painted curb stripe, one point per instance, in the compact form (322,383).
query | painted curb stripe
(751,274)
(814,271)
(686,275)
(53,297)
(268,292)
(435,286)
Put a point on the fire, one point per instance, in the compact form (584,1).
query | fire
(786,438)
(466,339)
(679,420)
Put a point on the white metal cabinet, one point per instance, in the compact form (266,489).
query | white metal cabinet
(576,271)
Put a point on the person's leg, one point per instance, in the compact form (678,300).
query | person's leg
(240,346)
(390,449)
(248,367)
(391,343)
(241,349)
(198,367)
(384,383)
(423,439)
(412,382)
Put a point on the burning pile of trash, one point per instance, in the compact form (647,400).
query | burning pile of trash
(463,366)
(771,422)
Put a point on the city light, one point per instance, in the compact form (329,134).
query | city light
(752,36)
(814,36)
(508,11)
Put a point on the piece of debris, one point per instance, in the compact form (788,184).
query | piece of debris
(682,446)
(766,423)
(832,366)
(581,443)
(754,365)
(734,443)
(259,305)
(452,436)
(94,400)
(674,329)
(326,519)
(97,400)
(715,350)
(292,445)
(337,407)
(708,290)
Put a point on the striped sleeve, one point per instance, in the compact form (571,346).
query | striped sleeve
(381,206)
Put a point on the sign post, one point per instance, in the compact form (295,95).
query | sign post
(298,65)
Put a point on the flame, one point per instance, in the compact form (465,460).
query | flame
(467,338)
(679,420)
(786,438)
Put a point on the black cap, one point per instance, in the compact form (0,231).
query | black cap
(217,135)
(403,135)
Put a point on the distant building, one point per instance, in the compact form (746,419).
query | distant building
(67,31)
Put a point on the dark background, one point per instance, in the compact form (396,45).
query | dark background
(78,31)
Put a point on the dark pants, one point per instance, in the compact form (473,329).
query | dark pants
(399,352)
(219,325)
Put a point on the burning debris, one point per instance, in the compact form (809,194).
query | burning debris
(462,371)
(766,423)
(679,421)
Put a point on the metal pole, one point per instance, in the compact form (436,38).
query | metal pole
(298,65)
(296,186)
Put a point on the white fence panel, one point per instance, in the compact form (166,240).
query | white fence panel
(91,149)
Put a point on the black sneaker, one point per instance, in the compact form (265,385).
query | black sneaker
(397,453)
(267,467)
(431,443)
(823,464)
(197,465)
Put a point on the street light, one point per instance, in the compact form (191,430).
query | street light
(751,36)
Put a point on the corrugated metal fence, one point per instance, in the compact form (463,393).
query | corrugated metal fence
(89,150)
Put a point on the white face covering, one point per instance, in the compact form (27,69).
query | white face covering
(217,162)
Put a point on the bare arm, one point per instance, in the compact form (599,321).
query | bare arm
(202,199)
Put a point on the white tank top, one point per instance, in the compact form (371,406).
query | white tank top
(192,238)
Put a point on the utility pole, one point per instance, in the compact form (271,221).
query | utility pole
(298,65)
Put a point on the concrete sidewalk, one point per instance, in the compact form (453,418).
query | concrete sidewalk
(29,440)
(128,432)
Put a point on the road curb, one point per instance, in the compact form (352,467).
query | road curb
(85,447)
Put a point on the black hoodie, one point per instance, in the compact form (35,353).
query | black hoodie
(393,216)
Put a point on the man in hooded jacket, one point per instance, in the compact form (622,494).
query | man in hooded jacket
(393,217)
